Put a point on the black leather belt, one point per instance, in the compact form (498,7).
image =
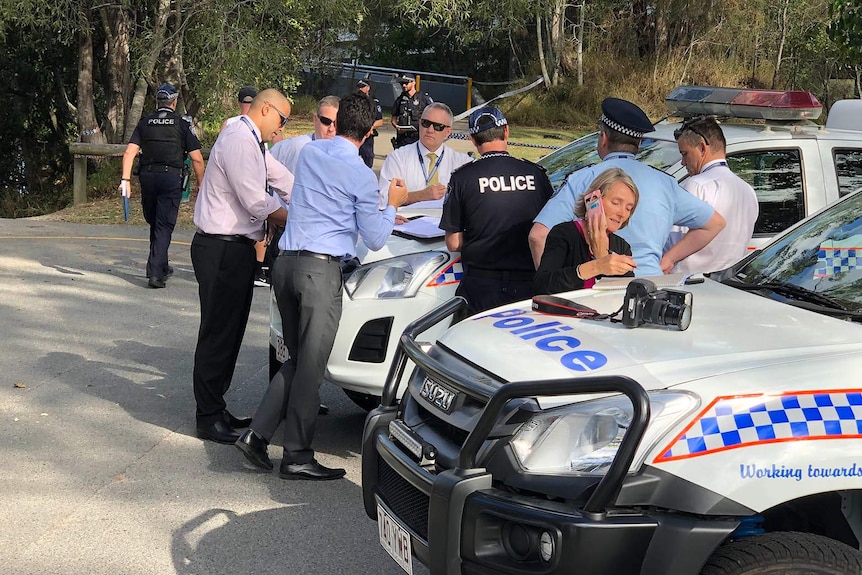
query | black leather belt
(161,168)
(229,238)
(308,254)
(513,275)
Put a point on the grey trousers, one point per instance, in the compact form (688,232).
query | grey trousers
(308,292)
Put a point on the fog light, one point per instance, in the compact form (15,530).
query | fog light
(517,541)
(546,546)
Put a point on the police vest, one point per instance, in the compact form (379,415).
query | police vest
(162,138)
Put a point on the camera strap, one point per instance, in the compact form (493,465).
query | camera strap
(554,305)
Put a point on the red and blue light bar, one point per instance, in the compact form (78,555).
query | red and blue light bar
(742,103)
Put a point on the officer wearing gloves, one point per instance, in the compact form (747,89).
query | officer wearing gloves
(487,213)
(406,112)
(163,138)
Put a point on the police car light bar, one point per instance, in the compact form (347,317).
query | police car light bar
(738,103)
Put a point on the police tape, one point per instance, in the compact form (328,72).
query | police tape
(462,136)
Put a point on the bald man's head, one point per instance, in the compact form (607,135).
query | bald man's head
(269,111)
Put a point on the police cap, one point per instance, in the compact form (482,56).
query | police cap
(167,92)
(361,84)
(624,117)
(246,94)
(485,119)
(406,79)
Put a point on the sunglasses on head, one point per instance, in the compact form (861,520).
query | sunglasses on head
(284,119)
(689,126)
(324,120)
(428,123)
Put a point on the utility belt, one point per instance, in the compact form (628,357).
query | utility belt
(229,238)
(505,275)
(161,169)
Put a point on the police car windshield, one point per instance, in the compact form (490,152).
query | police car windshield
(820,256)
(582,153)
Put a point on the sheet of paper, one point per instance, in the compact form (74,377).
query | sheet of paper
(422,227)
(670,280)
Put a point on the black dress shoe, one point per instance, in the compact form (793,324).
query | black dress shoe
(236,422)
(312,471)
(253,446)
(169,272)
(156,282)
(323,410)
(219,431)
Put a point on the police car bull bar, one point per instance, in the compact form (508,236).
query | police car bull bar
(498,397)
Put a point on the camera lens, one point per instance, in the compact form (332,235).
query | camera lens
(660,312)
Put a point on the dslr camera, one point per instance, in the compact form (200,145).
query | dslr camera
(646,304)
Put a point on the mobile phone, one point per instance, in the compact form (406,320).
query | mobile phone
(593,201)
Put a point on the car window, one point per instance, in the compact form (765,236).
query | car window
(848,168)
(820,255)
(776,176)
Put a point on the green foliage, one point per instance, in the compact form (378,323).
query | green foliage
(846,29)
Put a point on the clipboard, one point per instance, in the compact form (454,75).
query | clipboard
(421,228)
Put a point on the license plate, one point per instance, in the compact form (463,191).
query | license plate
(395,539)
(280,349)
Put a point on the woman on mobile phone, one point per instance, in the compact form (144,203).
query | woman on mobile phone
(580,251)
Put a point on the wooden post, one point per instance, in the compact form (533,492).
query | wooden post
(79,181)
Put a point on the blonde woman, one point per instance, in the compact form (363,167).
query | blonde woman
(580,251)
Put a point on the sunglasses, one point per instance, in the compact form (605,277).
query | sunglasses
(689,126)
(324,120)
(284,119)
(428,123)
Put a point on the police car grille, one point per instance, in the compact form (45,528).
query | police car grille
(408,503)
(454,435)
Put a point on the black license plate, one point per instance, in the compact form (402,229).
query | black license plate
(437,395)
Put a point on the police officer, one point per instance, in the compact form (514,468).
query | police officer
(663,203)
(366,151)
(407,110)
(163,138)
(487,212)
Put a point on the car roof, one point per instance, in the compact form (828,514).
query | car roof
(737,132)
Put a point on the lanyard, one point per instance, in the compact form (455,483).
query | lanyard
(711,166)
(262,151)
(425,174)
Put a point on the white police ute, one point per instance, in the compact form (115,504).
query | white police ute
(796,167)
(626,430)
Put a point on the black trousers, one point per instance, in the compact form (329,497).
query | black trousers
(308,292)
(484,293)
(225,274)
(161,193)
(406,138)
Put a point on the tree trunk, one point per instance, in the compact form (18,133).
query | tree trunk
(88,126)
(541,47)
(579,42)
(782,27)
(115,25)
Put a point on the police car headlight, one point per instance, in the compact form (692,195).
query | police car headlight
(394,278)
(583,438)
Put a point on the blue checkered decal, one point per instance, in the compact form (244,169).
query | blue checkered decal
(834,257)
(733,422)
(451,275)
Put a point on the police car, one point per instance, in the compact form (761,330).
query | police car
(715,432)
(795,167)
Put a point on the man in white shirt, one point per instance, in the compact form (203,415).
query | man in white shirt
(287,151)
(702,146)
(426,165)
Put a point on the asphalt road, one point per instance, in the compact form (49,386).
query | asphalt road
(100,469)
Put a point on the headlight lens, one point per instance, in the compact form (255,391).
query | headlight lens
(394,278)
(583,438)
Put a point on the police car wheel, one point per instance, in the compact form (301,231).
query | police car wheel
(274,364)
(364,400)
(785,553)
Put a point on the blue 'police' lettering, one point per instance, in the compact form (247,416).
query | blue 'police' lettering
(548,338)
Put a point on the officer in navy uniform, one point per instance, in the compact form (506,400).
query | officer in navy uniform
(407,111)
(366,151)
(163,138)
(487,213)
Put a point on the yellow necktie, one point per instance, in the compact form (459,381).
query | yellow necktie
(432,159)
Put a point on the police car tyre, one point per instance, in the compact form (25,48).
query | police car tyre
(274,364)
(785,553)
(364,400)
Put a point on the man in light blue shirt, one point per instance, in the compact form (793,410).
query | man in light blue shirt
(663,203)
(334,200)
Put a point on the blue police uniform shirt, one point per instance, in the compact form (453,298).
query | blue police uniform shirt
(335,198)
(662,204)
